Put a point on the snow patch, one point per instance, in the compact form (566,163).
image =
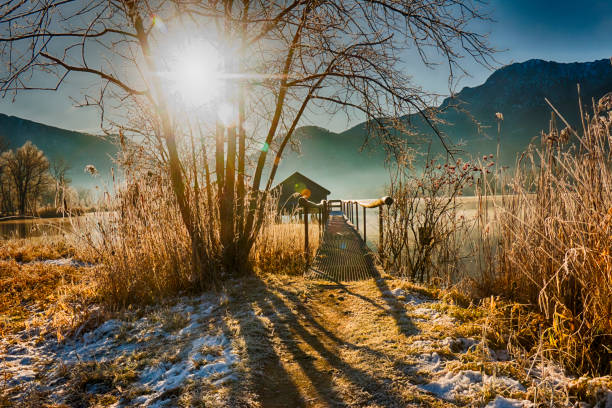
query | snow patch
(451,385)
(460,344)
(431,362)
(196,353)
(65,262)
(501,402)
(412,299)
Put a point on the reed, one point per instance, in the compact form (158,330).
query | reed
(280,245)
(554,250)
(146,253)
(539,240)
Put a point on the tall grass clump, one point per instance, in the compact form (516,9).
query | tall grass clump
(280,245)
(146,252)
(555,244)
(144,247)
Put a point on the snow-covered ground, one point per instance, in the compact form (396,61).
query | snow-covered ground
(150,356)
(164,349)
(443,378)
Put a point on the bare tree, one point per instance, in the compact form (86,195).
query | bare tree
(27,171)
(280,61)
(5,190)
(59,168)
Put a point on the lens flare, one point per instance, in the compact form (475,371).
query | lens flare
(227,114)
(158,23)
(195,74)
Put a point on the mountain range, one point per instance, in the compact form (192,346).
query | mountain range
(518,91)
(336,160)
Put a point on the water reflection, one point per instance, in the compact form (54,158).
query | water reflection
(36,227)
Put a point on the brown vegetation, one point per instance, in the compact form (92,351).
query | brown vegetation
(554,251)
(146,254)
(543,243)
(425,229)
(29,293)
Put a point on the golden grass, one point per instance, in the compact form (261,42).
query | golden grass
(30,294)
(146,253)
(555,248)
(280,248)
(37,248)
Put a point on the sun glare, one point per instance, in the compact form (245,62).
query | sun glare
(227,114)
(195,75)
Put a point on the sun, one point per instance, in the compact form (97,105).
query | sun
(195,75)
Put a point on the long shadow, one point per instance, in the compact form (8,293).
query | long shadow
(271,381)
(306,315)
(321,380)
(339,285)
(263,362)
(402,320)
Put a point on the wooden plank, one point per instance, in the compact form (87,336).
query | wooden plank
(342,254)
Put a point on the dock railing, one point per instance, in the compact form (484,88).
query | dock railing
(350,209)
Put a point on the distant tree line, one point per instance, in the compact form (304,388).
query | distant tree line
(29,181)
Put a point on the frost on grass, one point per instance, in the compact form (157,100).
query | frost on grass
(452,386)
(156,355)
(501,402)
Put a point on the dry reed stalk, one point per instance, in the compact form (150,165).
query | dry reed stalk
(555,244)
(146,252)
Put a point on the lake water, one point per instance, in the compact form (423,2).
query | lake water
(34,227)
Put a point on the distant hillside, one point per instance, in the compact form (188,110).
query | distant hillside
(78,149)
(517,91)
(334,159)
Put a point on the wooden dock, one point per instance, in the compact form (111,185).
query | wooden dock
(342,254)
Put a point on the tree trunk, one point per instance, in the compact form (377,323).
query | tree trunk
(199,277)
(227,206)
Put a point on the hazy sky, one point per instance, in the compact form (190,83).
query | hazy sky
(562,30)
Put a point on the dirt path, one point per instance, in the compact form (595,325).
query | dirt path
(316,343)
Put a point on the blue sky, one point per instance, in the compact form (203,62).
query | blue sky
(563,30)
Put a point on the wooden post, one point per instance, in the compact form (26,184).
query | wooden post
(324,214)
(357,214)
(380,231)
(364,225)
(306,251)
